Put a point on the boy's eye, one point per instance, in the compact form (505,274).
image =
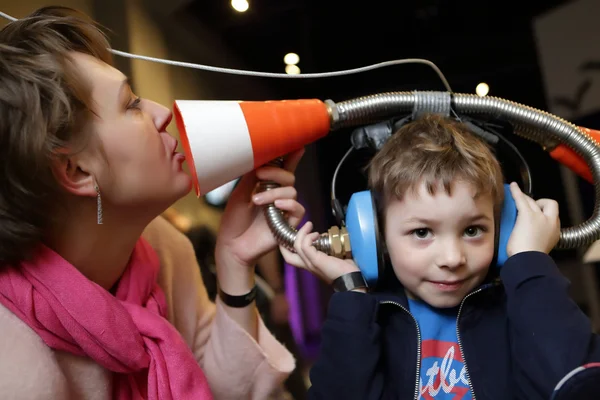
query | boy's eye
(421,233)
(473,231)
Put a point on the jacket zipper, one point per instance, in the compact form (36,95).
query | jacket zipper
(419,340)
(418,346)
(460,343)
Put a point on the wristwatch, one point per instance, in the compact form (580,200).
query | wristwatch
(238,301)
(349,281)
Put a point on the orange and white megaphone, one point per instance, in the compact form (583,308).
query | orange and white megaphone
(225,139)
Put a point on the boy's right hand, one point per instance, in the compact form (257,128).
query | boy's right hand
(326,267)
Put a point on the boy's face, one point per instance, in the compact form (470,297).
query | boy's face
(440,246)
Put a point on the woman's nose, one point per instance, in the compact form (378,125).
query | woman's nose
(161,115)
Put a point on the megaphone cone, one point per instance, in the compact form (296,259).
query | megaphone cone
(223,140)
(568,157)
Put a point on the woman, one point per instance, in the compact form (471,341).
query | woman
(99,298)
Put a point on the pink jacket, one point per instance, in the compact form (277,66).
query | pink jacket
(236,366)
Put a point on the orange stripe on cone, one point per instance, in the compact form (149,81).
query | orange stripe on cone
(278,128)
(566,156)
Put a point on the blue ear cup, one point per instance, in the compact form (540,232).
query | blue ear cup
(363,229)
(508,218)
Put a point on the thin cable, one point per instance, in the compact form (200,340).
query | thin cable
(277,75)
(337,170)
(8,17)
(291,76)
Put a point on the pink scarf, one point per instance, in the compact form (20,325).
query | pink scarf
(126,333)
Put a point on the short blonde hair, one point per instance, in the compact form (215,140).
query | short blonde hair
(434,150)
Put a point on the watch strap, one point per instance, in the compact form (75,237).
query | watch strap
(238,301)
(349,281)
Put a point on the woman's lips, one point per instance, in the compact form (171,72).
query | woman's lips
(174,147)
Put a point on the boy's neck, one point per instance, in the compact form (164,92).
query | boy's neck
(413,299)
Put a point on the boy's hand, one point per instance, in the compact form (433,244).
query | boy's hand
(537,227)
(326,267)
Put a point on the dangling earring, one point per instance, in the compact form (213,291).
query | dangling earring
(98,203)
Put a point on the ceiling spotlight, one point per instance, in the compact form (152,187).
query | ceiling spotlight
(482,89)
(240,5)
(292,69)
(291,59)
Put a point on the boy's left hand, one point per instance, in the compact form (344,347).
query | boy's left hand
(537,227)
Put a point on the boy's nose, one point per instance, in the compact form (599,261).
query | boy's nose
(451,255)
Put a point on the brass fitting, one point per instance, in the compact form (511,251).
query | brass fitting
(339,242)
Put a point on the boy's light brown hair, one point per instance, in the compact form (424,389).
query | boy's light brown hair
(44,107)
(436,151)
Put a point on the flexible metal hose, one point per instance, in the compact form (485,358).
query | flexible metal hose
(539,126)
(283,232)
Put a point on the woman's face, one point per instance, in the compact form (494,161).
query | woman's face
(133,161)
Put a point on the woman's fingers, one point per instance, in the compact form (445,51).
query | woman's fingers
(278,175)
(294,209)
(269,196)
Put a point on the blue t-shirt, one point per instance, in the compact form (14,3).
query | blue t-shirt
(443,374)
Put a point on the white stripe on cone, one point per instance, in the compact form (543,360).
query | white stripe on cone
(219,141)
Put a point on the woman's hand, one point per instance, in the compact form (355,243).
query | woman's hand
(244,235)
(306,256)
(537,227)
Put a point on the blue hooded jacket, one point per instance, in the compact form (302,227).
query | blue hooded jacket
(520,334)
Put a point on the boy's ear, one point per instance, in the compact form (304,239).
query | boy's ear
(73,175)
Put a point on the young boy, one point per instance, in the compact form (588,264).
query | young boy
(447,323)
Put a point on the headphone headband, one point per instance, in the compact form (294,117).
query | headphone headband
(374,136)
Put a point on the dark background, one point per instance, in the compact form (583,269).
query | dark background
(470,41)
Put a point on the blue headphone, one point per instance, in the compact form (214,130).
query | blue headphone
(361,216)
